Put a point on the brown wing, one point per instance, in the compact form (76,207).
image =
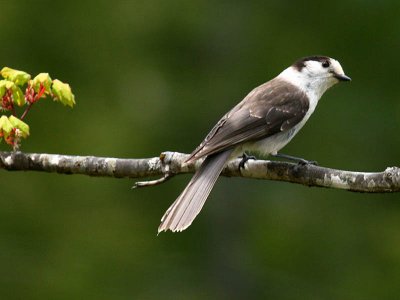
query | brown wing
(273,107)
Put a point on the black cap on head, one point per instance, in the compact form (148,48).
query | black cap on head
(300,64)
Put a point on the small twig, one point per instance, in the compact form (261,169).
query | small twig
(163,179)
(165,166)
(13,112)
(26,110)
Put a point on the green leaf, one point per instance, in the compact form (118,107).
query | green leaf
(42,78)
(22,126)
(62,92)
(5,126)
(18,95)
(16,76)
(4,86)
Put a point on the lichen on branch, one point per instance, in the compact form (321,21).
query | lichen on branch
(172,163)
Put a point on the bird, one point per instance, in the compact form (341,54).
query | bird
(263,122)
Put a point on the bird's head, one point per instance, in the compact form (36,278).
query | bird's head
(315,73)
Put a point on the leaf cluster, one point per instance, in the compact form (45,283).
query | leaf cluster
(17,89)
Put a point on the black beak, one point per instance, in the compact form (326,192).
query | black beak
(342,77)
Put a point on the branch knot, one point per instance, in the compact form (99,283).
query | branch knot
(392,174)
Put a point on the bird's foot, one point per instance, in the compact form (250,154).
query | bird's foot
(300,161)
(245,157)
(304,162)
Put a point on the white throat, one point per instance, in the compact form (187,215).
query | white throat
(314,87)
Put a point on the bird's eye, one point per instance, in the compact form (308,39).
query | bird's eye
(326,64)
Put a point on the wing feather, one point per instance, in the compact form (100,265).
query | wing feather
(270,108)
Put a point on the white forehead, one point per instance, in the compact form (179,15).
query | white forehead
(314,66)
(336,66)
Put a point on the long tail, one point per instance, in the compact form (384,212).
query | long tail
(186,207)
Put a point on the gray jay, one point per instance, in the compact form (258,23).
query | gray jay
(263,122)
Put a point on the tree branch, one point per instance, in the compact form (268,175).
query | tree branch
(171,163)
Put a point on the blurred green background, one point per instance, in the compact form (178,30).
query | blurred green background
(151,76)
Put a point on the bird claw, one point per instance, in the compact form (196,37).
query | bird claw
(245,157)
(304,162)
(300,161)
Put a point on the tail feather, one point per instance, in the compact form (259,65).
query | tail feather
(187,206)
